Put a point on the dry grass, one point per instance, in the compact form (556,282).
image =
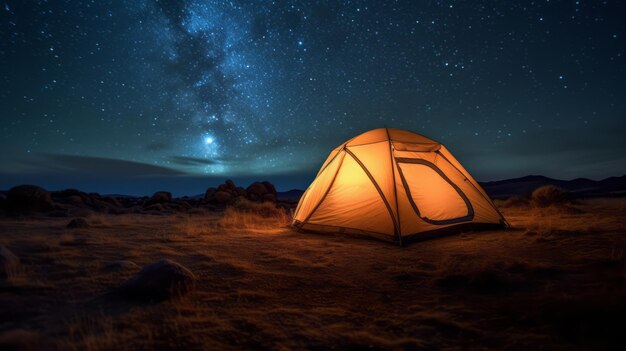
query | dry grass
(92,333)
(242,215)
(245,214)
(557,280)
(235,218)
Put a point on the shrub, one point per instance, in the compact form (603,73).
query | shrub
(548,195)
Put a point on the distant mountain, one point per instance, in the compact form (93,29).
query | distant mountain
(581,187)
(290,195)
(613,186)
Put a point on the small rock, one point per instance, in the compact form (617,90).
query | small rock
(78,223)
(121,265)
(158,281)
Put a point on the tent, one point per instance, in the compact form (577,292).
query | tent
(393,184)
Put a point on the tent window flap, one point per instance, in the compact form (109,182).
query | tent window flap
(433,196)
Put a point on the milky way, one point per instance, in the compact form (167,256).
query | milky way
(248,88)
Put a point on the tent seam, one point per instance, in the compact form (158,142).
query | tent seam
(380,192)
(475,188)
(395,188)
(327,190)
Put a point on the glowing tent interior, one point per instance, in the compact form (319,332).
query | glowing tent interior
(393,184)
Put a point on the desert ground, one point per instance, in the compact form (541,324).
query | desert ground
(555,280)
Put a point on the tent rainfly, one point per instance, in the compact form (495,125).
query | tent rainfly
(393,184)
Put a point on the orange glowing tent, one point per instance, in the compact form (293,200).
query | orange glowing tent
(393,184)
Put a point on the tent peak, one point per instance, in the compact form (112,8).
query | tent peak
(386,134)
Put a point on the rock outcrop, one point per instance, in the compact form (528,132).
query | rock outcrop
(261,191)
(24,199)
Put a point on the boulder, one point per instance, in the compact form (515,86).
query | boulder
(73,200)
(224,188)
(210,192)
(270,187)
(8,262)
(222,197)
(97,203)
(184,205)
(256,191)
(68,193)
(269,197)
(78,223)
(261,191)
(161,197)
(230,184)
(239,191)
(29,199)
(111,201)
(158,281)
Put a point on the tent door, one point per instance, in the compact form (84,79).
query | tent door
(433,196)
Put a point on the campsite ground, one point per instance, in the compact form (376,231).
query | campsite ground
(556,280)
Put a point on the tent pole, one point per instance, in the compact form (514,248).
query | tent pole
(395,190)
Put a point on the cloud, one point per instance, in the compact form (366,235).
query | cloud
(90,165)
(193,161)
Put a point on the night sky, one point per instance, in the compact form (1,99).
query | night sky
(136,96)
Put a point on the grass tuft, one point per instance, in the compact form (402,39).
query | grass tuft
(548,195)
(245,214)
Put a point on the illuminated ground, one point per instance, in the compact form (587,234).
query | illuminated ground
(556,281)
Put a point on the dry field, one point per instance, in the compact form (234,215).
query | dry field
(556,280)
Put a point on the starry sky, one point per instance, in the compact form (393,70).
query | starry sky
(134,96)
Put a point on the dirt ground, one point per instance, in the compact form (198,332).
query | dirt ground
(556,280)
